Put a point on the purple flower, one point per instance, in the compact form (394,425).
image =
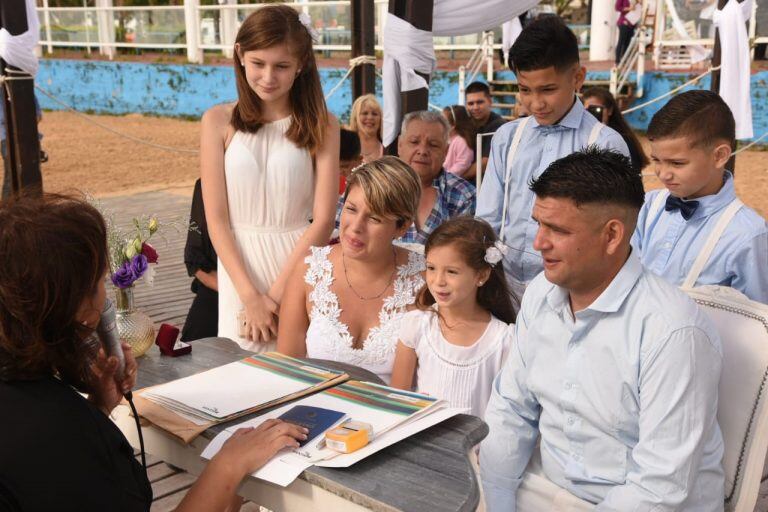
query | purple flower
(123,277)
(138,265)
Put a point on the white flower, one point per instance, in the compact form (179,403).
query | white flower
(307,22)
(149,275)
(495,253)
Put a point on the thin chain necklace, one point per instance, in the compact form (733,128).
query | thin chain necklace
(391,277)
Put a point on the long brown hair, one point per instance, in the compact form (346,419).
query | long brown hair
(472,237)
(53,252)
(269,26)
(617,122)
(461,123)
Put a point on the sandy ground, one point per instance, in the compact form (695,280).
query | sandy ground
(87,157)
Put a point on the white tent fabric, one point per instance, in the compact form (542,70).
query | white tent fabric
(735,58)
(459,17)
(509,32)
(408,49)
(19,50)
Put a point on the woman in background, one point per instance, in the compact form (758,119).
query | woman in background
(365,119)
(601,103)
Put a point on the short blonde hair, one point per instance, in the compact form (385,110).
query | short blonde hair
(358,106)
(391,188)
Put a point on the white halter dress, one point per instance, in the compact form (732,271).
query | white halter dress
(270,187)
(328,337)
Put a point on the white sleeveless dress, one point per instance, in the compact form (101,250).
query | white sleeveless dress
(328,337)
(270,187)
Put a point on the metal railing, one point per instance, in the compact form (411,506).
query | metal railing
(483,54)
(197,28)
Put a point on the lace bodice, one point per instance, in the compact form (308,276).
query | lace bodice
(328,337)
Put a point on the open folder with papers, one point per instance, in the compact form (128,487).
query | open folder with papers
(394,415)
(186,407)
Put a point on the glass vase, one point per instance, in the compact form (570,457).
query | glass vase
(134,327)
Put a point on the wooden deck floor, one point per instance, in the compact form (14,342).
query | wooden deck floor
(168,302)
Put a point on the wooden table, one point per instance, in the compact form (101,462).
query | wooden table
(429,471)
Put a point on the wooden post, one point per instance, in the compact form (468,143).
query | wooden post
(363,76)
(715,76)
(419,14)
(21,138)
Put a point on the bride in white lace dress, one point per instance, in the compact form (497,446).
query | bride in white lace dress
(345,303)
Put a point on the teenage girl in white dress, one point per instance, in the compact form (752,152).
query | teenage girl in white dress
(269,164)
(455,343)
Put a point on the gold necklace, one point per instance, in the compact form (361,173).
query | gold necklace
(391,277)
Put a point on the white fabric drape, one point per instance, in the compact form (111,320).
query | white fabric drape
(459,17)
(408,49)
(19,50)
(509,32)
(698,53)
(735,68)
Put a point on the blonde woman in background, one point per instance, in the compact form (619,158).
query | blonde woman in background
(366,119)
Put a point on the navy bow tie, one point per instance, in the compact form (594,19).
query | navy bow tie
(686,207)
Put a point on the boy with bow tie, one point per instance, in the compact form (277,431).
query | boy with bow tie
(697,231)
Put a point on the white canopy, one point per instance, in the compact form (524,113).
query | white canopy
(408,50)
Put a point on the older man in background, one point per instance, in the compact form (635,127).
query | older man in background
(423,145)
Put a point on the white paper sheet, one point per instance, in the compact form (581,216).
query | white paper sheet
(225,390)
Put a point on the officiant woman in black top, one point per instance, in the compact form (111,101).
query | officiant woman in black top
(59,450)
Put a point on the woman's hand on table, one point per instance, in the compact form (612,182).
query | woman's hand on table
(261,319)
(108,387)
(250,448)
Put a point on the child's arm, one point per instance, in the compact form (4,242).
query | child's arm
(404,368)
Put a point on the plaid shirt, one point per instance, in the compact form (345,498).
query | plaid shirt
(455,196)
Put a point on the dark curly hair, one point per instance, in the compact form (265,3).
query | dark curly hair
(472,237)
(53,252)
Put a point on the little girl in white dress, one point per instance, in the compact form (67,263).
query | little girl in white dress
(456,342)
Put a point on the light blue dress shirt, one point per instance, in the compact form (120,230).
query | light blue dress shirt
(668,244)
(623,395)
(539,147)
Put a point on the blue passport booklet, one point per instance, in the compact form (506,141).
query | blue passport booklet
(316,419)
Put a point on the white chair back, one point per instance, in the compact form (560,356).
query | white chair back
(743,394)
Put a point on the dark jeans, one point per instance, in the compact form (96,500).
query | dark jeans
(625,36)
(203,317)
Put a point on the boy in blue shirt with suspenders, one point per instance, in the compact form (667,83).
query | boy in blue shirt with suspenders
(545,59)
(696,231)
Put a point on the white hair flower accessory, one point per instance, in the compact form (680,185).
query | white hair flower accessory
(495,253)
(306,20)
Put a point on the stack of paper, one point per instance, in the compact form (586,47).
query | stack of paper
(394,415)
(242,387)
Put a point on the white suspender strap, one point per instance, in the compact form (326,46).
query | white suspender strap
(709,245)
(594,133)
(655,208)
(510,158)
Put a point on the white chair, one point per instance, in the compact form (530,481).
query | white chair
(743,405)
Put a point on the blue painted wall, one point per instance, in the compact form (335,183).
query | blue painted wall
(188,90)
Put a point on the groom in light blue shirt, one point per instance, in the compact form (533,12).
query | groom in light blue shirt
(615,371)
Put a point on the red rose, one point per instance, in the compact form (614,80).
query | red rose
(149,252)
